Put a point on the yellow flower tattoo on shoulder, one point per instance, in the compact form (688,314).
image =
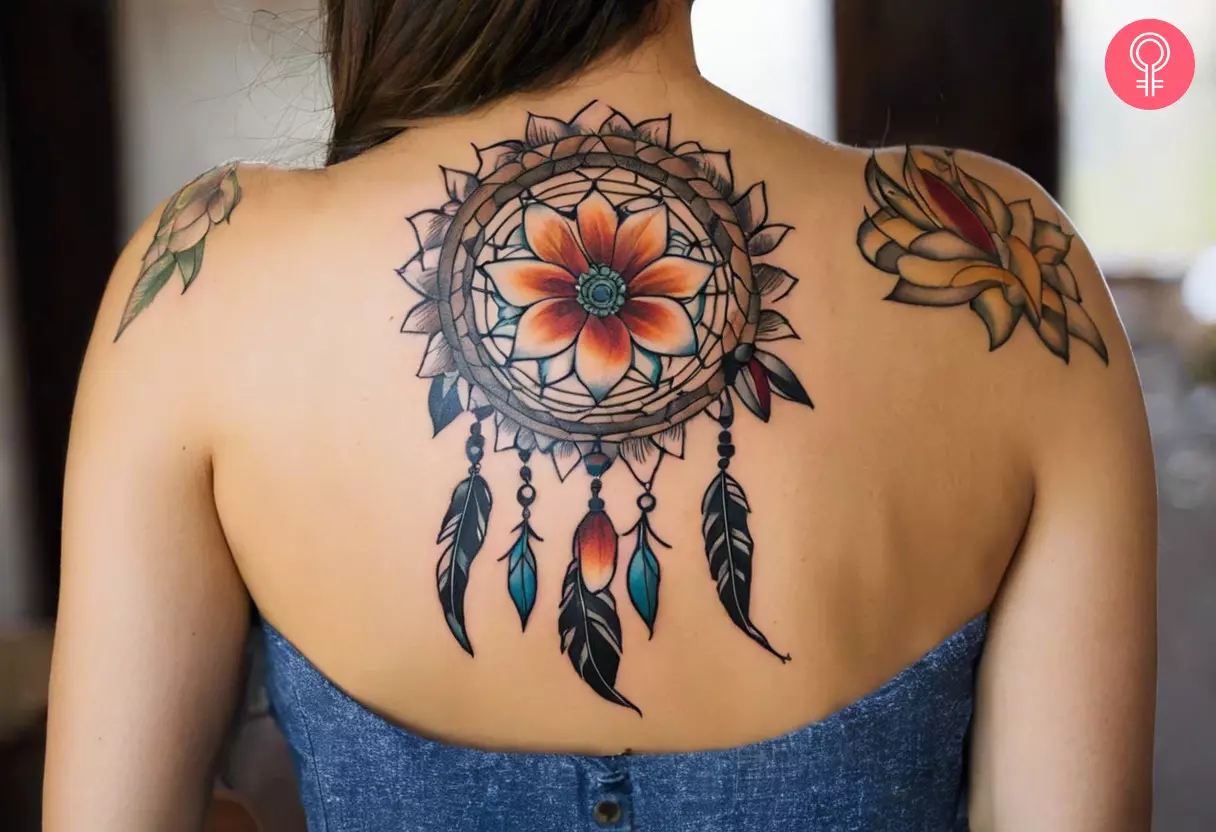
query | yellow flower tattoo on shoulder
(952,239)
(181,235)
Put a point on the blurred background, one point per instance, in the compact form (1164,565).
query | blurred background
(106,106)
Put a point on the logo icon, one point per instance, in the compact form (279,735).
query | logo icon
(1150,64)
(1150,83)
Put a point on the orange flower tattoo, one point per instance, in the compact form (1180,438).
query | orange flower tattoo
(952,239)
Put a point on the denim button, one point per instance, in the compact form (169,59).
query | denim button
(607,812)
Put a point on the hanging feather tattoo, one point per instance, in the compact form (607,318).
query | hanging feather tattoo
(591,635)
(588,623)
(728,542)
(521,560)
(521,572)
(643,572)
(463,532)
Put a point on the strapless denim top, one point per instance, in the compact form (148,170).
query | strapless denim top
(893,761)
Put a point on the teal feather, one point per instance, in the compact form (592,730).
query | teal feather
(521,572)
(643,576)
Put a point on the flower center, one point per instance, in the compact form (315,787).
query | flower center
(600,291)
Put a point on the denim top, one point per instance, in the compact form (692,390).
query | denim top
(892,761)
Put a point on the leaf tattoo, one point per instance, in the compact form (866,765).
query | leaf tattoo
(181,236)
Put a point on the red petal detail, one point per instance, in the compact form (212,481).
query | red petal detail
(763,392)
(675,277)
(660,325)
(641,240)
(595,546)
(524,282)
(547,328)
(961,217)
(603,354)
(551,238)
(597,224)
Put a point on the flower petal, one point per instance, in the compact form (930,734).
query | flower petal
(546,328)
(524,282)
(597,224)
(956,214)
(553,370)
(1026,269)
(1049,242)
(1084,328)
(983,273)
(890,196)
(935,273)
(986,197)
(186,236)
(641,240)
(999,317)
(552,239)
(660,325)
(1023,220)
(944,245)
(676,277)
(900,230)
(603,354)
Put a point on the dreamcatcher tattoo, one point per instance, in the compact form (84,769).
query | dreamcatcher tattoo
(585,293)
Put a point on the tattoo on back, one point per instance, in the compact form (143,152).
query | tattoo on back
(180,236)
(586,292)
(952,239)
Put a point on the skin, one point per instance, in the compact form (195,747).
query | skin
(264,436)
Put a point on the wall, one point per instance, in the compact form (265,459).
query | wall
(203,81)
(16,601)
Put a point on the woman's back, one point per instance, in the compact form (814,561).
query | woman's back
(537,381)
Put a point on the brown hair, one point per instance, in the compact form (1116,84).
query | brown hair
(394,61)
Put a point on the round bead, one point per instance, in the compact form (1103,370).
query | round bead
(726,450)
(475,429)
(646,501)
(724,437)
(525,473)
(526,495)
(595,504)
(724,463)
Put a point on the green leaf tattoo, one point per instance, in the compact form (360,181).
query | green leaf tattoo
(180,236)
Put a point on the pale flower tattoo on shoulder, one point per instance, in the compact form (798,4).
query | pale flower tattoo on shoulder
(953,240)
(181,235)
(585,293)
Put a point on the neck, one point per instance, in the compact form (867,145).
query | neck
(668,52)
(664,61)
(660,68)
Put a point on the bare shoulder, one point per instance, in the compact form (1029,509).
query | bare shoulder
(225,207)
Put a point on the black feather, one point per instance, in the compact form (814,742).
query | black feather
(728,545)
(590,632)
(463,531)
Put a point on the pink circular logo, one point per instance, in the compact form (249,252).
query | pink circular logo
(1150,64)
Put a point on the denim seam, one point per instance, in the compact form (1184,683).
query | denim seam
(314,764)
